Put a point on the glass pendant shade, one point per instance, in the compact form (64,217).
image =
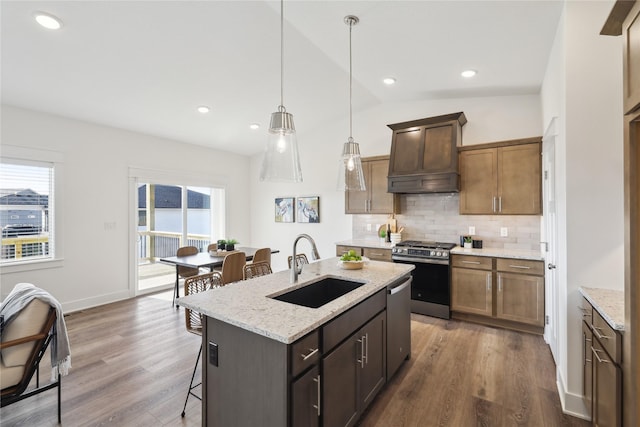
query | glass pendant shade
(351,175)
(281,161)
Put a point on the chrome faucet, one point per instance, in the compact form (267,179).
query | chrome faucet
(295,270)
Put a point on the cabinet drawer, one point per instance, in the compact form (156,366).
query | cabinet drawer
(521,266)
(350,321)
(304,353)
(469,261)
(607,336)
(586,310)
(377,254)
(341,250)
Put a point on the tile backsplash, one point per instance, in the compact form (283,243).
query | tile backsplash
(435,217)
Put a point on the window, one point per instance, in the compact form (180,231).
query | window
(26,210)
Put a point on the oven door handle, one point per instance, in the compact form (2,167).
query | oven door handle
(399,288)
(421,260)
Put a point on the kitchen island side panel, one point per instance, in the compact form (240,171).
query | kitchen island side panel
(249,385)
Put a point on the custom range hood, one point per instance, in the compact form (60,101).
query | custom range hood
(424,155)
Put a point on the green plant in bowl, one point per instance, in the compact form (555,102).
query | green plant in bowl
(350,256)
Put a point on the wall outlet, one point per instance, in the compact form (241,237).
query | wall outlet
(109,226)
(472,230)
(368,227)
(504,232)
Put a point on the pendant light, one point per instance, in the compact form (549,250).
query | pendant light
(350,175)
(281,161)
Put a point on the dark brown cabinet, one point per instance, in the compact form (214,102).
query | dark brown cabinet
(424,154)
(305,399)
(602,374)
(631,59)
(501,178)
(354,373)
(376,199)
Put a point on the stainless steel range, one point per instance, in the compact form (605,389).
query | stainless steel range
(431,284)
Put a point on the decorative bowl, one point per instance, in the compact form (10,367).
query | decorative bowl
(352,265)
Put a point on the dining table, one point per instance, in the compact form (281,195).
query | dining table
(205,260)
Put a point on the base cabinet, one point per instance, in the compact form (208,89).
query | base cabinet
(602,373)
(499,291)
(305,399)
(354,373)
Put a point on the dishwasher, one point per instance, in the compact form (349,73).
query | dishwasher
(398,324)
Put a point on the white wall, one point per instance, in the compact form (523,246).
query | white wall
(95,190)
(583,88)
(489,119)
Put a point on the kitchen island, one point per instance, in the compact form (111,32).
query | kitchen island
(270,362)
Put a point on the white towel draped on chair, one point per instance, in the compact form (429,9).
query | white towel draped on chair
(19,297)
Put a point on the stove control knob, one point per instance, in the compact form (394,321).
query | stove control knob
(433,253)
(439,254)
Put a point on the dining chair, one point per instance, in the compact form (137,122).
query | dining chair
(184,272)
(263,255)
(256,269)
(232,267)
(193,319)
(301,259)
(212,247)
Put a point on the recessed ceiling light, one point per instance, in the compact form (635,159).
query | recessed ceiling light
(468,73)
(48,21)
(389,80)
(254,126)
(203,109)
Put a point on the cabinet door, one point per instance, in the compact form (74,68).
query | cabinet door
(478,181)
(305,399)
(440,151)
(520,298)
(357,202)
(519,180)
(587,368)
(372,366)
(631,60)
(471,291)
(340,376)
(406,152)
(607,381)
(380,201)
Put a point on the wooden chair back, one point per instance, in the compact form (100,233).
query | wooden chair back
(232,267)
(301,259)
(193,285)
(187,271)
(262,255)
(255,269)
(212,247)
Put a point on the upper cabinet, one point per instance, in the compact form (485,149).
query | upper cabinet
(631,60)
(501,178)
(424,154)
(376,199)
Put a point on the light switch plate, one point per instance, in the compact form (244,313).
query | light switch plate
(504,232)
(472,230)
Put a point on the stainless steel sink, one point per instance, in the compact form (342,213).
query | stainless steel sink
(319,293)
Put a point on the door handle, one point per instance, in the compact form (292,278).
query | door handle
(317,380)
(551,266)
(400,288)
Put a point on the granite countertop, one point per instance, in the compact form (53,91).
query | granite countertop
(609,303)
(367,243)
(247,304)
(500,253)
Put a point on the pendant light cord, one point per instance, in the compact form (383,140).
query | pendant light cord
(350,85)
(281,52)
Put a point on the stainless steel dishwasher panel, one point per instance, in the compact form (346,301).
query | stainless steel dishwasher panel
(398,325)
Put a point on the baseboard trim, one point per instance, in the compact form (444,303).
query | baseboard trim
(572,404)
(86,303)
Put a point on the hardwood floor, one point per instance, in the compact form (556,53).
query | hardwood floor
(132,361)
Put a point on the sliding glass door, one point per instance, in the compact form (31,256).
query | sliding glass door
(170,216)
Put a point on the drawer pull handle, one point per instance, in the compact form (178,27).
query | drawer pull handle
(471,262)
(311,353)
(595,353)
(317,380)
(597,330)
(376,254)
(523,267)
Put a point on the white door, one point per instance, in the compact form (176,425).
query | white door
(549,246)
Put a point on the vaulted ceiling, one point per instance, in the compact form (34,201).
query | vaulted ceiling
(146,65)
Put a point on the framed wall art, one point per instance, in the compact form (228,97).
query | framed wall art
(284,209)
(308,209)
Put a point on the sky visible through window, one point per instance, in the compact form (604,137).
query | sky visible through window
(35,178)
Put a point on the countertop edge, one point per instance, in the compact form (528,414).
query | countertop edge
(603,301)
